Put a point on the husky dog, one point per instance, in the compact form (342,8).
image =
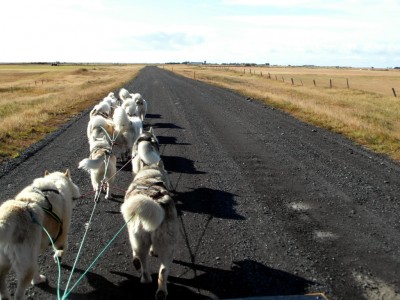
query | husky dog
(135,105)
(128,130)
(99,127)
(102,109)
(141,106)
(124,94)
(111,100)
(151,215)
(130,107)
(101,165)
(46,203)
(145,151)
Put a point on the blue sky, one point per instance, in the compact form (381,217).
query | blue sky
(286,32)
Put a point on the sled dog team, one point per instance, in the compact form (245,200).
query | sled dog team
(44,208)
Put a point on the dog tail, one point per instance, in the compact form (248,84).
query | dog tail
(144,209)
(90,164)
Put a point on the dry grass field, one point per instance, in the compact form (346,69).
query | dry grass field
(36,99)
(367,111)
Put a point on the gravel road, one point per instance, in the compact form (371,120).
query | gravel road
(268,205)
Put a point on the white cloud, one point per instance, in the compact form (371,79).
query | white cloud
(279,32)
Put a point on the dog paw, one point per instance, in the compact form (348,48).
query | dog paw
(146,278)
(136,263)
(58,255)
(161,295)
(153,253)
(39,279)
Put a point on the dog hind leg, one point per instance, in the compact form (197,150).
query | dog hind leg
(166,258)
(26,275)
(108,191)
(140,242)
(4,269)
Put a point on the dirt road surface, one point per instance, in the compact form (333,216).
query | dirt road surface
(268,205)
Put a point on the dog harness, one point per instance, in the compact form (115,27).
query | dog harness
(107,149)
(157,187)
(49,210)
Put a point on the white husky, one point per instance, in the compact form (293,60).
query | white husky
(145,151)
(128,130)
(124,94)
(135,105)
(102,109)
(46,203)
(141,106)
(101,165)
(152,222)
(99,127)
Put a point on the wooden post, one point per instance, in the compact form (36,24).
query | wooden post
(314,82)
(347,80)
(301,82)
(292,81)
(330,83)
(283,79)
(276,77)
(269,75)
(194,75)
(394,92)
(261,73)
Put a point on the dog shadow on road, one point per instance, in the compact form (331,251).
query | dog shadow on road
(169,140)
(129,287)
(246,278)
(165,126)
(178,164)
(215,203)
(153,116)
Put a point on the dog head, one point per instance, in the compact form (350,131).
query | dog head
(63,183)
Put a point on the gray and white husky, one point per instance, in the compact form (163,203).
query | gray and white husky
(102,166)
(145,151)
(151,215)
(128,130)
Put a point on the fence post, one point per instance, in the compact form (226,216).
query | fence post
(347,80)
(261,73)
(314,82)
(194,75)
(292,81)
(269,75)
(330,83)
(283,79)
(394,92)
(301,82)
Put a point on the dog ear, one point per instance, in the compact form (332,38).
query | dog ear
(67,173)
(46,173)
